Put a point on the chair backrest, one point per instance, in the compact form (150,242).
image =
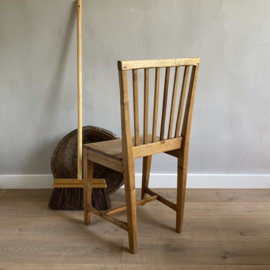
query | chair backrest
(151,144)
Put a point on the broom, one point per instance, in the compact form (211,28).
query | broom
(68,193)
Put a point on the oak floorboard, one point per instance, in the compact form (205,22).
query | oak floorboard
(244,195)
(74,230)
(12,225)
(206,195)
(94,250)
(68,215)
(169,251)
(31,266)
(228,228)
(208,210)
(190,267)
(192,195)
(223,230)
(219,195)
(58,266)
(21,208)
(227,210)
(2,192)
(206,228)
(28,195)
(21,249)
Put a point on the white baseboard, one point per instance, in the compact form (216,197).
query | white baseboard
(156,181)
(26,181)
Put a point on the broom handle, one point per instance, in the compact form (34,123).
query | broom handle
(79,78)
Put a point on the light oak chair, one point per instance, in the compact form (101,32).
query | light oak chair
(119,155)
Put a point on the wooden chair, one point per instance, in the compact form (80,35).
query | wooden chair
(120,154)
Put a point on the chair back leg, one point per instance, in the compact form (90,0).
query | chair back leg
(181,191)
(145,175)
(130,192)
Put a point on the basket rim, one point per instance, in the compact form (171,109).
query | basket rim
(71,135)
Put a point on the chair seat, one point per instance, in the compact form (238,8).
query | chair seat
(113,148)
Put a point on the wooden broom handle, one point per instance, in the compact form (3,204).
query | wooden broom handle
(79,78)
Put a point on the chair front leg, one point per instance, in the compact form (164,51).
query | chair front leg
(88,179)
(129,179)
(145,175)
(181,192)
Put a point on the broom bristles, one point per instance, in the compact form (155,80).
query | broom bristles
(72,199)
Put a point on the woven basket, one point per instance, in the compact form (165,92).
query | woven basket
(64,159)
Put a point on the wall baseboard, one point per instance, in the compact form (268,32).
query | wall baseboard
(156,181)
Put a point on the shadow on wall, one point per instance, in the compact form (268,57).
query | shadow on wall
(51,109)
(58,77)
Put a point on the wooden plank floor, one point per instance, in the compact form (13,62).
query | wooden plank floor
(223,230)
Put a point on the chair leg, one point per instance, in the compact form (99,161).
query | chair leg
(88,178)
(181,193)
(129,179)
(145,175)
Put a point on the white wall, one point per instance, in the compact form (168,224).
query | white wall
(230,131)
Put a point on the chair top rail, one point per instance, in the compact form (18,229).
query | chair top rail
(157,63)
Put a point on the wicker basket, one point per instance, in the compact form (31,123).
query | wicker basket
(64,159)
